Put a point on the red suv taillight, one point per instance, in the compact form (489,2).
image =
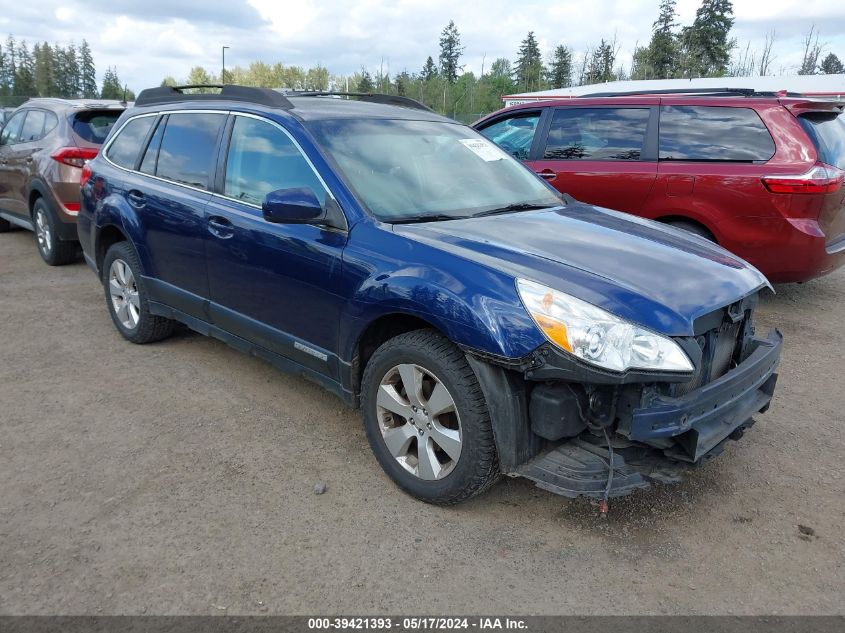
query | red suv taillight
(86,174)
(74,156)
(821,178)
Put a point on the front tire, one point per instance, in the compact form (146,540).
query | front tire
(127,299)
(426,419)
(53,251)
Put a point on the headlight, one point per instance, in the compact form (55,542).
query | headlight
(597,336)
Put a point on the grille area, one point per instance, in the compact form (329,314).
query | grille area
(717,351)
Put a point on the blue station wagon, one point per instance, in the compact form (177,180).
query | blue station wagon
(484,323)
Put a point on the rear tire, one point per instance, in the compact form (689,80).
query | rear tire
(127,299)
(436,443)
(693,227)
(53,251)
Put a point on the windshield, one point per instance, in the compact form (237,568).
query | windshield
(407,169)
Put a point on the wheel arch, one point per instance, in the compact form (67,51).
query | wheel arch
(678,217)
(38,189)
(107,236)
(377,332)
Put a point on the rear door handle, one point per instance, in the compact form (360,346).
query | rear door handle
(547,174)
(220,227)
(136,198)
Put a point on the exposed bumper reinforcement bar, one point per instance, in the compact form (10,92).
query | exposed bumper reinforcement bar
(701,419)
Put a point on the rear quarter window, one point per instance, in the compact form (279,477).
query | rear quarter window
(94,125)
(827,131)
(124,149)
(714,133)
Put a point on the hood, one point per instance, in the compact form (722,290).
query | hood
(649,273)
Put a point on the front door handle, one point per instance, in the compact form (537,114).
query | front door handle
(547,174)
(220,227)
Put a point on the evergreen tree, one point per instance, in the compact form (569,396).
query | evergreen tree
(70,73)
(87,72)
(5,86)
(831,65)
(560,73)
(10,66)
(45,72)
(403,83)
(708,49)
(429,71)
(529,65)
(602,59)
(24,73)
(365,84)
(111,85)
(450,52)
(663,49)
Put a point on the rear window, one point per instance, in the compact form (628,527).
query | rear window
(597,134)
(187,150)
(125,147)
(94,125)
(721,134)
(827,130)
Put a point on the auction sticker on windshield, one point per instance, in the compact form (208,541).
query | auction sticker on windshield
(483,149)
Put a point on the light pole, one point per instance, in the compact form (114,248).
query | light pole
(223,71)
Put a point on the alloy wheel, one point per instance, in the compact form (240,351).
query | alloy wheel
(419,421)
(123,290)
(43,232)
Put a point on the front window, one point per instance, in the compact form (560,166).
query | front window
(515,134)
(262,159)
(403,170)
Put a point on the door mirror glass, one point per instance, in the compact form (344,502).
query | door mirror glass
(292,206)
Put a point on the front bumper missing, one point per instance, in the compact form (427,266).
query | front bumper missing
(667,436)
(700,420)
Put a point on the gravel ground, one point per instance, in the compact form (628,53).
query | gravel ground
(178,478)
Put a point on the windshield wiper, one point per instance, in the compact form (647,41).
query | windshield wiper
(520,206)
(422,217)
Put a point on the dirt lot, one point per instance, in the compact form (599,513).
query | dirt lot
(178,478)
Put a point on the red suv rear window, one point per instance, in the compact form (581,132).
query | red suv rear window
(827,130)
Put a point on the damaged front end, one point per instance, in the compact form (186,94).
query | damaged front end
(569,422)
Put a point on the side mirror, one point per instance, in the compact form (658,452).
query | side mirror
(292,206)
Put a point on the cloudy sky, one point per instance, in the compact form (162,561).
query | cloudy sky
(147,40)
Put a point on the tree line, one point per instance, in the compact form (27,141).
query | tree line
(54,71)
(704,48)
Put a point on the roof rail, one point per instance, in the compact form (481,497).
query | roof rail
(711,92)
(229,92)
(373,97)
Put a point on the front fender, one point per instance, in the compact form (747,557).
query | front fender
(474,306)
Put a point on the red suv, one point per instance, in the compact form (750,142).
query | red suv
(760,175)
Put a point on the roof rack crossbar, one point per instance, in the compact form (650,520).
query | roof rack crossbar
(229,92)
(374,97)
(713,92)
